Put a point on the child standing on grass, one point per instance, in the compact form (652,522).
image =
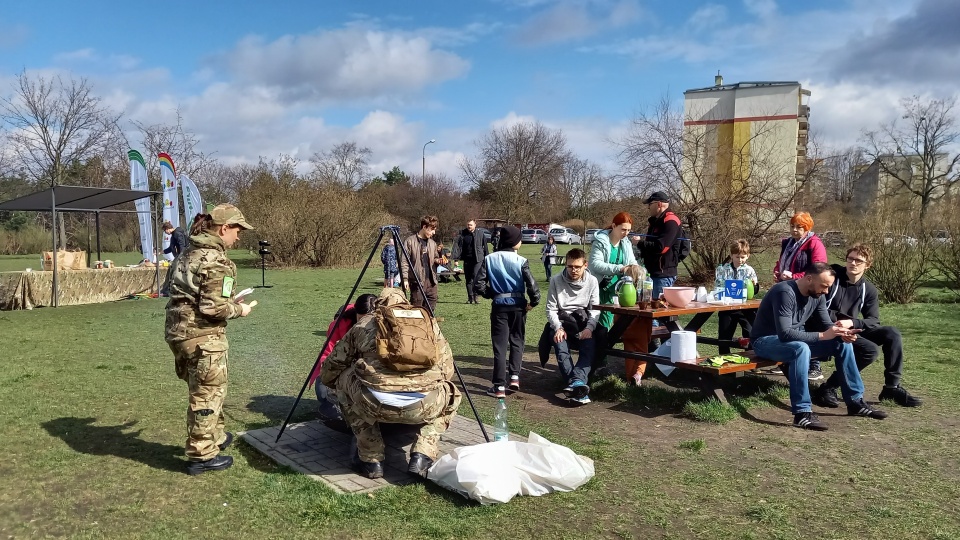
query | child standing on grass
(549,256)
(502,278)
(736,268)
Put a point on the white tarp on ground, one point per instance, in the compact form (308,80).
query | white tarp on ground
(496,472)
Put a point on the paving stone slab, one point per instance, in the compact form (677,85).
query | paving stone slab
(321,452)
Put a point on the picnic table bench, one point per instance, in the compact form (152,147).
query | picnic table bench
(709,377)
(447,274)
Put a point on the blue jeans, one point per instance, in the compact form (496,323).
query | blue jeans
(547,268)
(569,371)
(797,355)
(658,284)
(329,407)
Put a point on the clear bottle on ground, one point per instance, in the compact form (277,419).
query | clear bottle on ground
(500,430)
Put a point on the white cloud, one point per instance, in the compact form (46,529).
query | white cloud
(763,9)
(12,36)
(708,16)
(511,119)
(343,65)
(572,20)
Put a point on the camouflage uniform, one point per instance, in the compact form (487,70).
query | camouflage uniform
(354,368)
(201,301)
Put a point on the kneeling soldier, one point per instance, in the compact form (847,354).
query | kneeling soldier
(370,391)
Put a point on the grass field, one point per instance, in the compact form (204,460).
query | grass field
(92,427)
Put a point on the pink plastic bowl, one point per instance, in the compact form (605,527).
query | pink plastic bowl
(679,296)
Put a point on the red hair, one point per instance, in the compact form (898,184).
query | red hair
(620,219)
(802,219)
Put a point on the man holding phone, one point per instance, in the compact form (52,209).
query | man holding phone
(779,333)
(852,303)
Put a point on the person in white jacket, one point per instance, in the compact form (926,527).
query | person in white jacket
(571,315)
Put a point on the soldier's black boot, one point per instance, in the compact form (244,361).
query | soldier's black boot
(218,463)
(226,442)
(370,469)
(419,463)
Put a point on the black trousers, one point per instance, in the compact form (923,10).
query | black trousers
(867,347)
(507,332)
(727,323)
(470,269)
(430,290)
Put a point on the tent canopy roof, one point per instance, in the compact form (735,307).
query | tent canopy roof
(76,199)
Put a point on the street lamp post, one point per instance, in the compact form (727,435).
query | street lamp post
(423,170)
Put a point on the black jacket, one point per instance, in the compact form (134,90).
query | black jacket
(479,245)
(854,301)
(178,242)
(657,249)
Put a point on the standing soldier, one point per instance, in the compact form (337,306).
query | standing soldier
(370,392)
(201,301)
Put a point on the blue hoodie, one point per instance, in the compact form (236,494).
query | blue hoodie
(502,277)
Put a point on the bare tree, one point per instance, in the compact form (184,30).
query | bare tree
(345,165)
(517,170)
(177,141)
(720,191)
(842,168)
(583,182)
(434,194)
(915,151)
(54,123)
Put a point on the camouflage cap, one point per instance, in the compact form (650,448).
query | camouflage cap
(228,214)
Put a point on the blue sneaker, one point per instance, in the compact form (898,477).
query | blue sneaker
(580,401)
(579,390)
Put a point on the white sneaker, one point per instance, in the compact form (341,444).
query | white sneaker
(636,379)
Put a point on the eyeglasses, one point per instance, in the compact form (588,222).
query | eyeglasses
(855,261)
(576,267)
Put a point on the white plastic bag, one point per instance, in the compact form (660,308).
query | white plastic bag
(665,349)
(495,472)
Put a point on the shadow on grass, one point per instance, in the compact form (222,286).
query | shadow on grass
(276,408)
(84,437)
(681,396)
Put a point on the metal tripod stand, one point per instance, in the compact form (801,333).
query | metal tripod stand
(394,232)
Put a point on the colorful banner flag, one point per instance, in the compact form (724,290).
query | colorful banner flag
(138,182)
(192,203)
(171,200)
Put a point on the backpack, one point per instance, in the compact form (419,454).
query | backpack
(681,246)
(405,337)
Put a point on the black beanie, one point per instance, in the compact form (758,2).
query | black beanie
(509,237)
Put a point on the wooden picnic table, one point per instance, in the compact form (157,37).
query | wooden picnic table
(708,376)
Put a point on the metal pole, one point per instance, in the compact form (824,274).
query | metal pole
(53,226)
(99,257)
(423,169)
(155,219)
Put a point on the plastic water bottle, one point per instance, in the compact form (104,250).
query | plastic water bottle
(647,290)
(500,431)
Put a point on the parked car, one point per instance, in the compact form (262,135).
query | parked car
(833,238)
(942,237)
(588,236)
(565,236)
(891,238)
(533,236)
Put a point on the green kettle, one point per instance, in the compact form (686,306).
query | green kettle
(626,291)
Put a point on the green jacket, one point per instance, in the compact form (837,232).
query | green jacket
(202,284)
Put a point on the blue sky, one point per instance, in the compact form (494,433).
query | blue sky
(298,77)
